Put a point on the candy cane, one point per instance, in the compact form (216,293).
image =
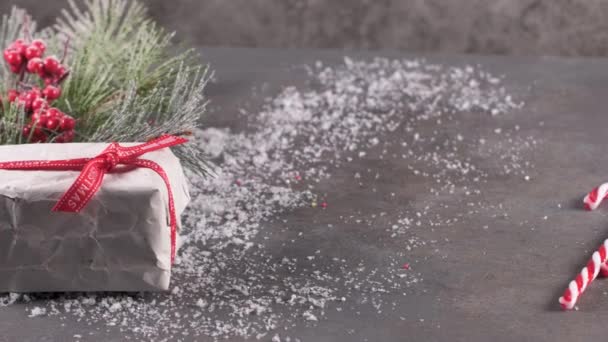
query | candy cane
(595,197)
(598,260)
(583,279)
(592,201)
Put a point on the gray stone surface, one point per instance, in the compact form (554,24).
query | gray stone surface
(528,27)
(496,284)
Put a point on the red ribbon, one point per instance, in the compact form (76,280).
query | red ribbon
(94,169)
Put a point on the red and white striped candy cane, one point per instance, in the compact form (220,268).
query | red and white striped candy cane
(583,279)
(595,197)
(596,265)
(592,201)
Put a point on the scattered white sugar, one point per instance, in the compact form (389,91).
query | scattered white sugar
(115,307)
(9,299)
(230,281)
(309,316)
(37,311)
(88,300)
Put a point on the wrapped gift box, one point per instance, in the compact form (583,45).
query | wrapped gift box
(120,241)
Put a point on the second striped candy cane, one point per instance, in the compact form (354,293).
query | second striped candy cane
(583,279)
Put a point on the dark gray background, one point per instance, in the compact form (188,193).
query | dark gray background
(520,27)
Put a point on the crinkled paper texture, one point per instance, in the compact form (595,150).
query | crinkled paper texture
(120,241)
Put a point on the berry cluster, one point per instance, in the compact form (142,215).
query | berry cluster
(20,56)
(46,123)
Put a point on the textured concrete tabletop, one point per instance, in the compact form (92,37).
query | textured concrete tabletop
(495,273)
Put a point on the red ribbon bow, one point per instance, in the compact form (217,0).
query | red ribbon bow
(94,169)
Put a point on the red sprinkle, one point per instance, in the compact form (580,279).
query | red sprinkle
(298,177)
(406,266)
(238,182)
(324,205)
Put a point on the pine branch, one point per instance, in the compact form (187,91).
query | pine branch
(128,82)
(174,109)
(85,91)
(11,125)
(107,22)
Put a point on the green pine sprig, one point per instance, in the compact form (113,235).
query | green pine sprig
(127,80)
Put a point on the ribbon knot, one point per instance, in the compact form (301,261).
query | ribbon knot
(110,159)
(93,170)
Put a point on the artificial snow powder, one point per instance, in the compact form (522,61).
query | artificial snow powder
(228,282)
(37,311)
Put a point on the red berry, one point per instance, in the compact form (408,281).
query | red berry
(39,44)
(47,79)
(69,135)
(27,129)
(42,73)
(37,130)
(39,103)
(16,43)
(50,65)
(12,57)
(12,95)
(66,136)
(38,115)
(54,113)
(15,69)
(67,123)
(32,52)
(35,65)
(61,70)
(42,120)
(51,92)
(19,46)
(52,123)
(39,138)
(32,95)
